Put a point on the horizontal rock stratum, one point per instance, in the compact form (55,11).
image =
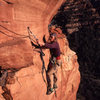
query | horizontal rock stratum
(17,52)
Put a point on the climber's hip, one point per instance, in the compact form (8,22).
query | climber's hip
(56,61)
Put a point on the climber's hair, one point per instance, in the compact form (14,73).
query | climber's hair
(55,35)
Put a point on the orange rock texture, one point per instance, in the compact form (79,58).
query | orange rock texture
(17,52)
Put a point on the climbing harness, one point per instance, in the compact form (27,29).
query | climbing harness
(56,61)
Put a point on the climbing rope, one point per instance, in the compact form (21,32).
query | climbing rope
(61,81)
(30,35)
(41,52)
(21,36)
(27,36)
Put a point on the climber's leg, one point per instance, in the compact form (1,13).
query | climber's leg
(50,79)
(55,80)
(51,73)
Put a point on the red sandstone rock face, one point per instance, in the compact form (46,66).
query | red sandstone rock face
(15,18)
(16,50)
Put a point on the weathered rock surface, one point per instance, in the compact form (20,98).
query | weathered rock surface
(80,21)
(16,50)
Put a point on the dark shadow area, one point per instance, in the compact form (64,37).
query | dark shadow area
(7,1)
(81,24)
(96,4)
(0,72)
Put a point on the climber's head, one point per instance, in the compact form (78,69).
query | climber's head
(53,37)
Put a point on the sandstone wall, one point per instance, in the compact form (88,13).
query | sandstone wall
(16,50)
(80,21)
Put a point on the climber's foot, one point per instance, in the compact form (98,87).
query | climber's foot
(49,91)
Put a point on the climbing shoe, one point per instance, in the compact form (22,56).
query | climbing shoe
(49,91)
(55,86)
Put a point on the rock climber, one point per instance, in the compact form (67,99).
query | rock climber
(54,62)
